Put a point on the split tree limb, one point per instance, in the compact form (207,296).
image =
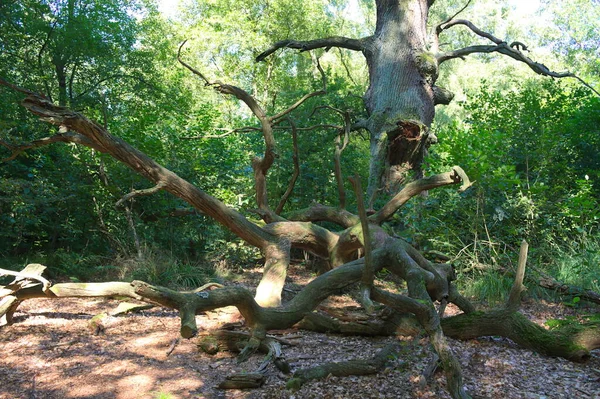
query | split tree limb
(8,300)
(33,271)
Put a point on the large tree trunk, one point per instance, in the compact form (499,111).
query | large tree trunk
(400,98)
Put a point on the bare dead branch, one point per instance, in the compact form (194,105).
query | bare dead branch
(298,103)
(16,88)
(586,84)
(472,27)
(96,136)
(327,43)
(514,50)
(262,165)
(296,173)
(439,28)
(237,92)
(503,48)
(68,137)
(138,193)
(28,276)
(457,175)
(193,70)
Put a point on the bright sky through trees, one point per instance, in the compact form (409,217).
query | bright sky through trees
(170,7)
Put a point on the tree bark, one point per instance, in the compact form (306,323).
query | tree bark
(400,97)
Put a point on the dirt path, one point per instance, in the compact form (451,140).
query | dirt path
(52,352)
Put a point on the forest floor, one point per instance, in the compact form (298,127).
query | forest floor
(53,352)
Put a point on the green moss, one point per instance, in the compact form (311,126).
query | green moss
(294,384)
(427,64)
(208,345)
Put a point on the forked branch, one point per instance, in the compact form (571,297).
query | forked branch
(139,193)
(439,28)
(262,165)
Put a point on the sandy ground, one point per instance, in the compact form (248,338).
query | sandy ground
(53,352)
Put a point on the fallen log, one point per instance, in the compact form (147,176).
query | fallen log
(342,369)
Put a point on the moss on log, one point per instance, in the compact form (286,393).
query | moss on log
(513,325)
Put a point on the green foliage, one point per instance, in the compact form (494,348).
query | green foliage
(164,269)
(533,153)
(572,324)
(578,265)
(162,395)
(531,145)
(492,287)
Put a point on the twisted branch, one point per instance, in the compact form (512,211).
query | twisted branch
(513,50)
(138,193)
(327,43)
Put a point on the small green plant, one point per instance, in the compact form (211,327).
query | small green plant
(162,395)
(573,302)
(159,267)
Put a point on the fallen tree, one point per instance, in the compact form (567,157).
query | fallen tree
(400,102)
(407,315)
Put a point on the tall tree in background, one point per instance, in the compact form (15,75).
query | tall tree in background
(403,59)
(73,46)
